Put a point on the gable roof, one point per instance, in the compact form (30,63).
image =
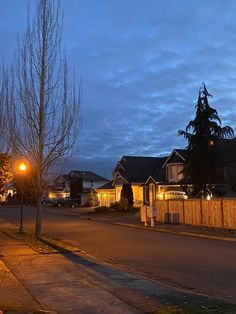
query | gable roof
(182,153)
(64,177)
(86,175)
(106,186)
(138,169)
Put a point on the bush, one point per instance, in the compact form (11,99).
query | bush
(116,206)
(101,209)
(124,203)
(92,199)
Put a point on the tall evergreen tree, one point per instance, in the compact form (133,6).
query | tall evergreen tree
(203,133)
(127,192)
(76,188)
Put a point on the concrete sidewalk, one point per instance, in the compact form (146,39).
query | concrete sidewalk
(13,294)
(70,282)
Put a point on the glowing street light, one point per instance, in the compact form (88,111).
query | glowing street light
(22,168)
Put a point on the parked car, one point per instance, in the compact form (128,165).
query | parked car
(67,202)
(47,201)
(175,195)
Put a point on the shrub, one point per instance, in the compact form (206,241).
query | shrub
(124,203)
(101,209)
(116,206)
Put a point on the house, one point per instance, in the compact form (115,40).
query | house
(60,187)
(168,177)
(154,178)
(106,194)
(136,170)
(150,177)
(10,191)
(91,181)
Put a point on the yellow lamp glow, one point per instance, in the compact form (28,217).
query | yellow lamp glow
(22,167)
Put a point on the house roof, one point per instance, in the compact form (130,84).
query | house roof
(106,186)
(86,175)
(65,177)
(182,153)
(227,147)
(138,169)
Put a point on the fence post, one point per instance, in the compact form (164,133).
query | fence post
(168,211)
(222,213)
(201,212)
(183,211)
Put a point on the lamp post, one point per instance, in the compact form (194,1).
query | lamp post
(22,168)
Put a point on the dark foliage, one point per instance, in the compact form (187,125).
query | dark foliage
(127,192)
(5,172)
(203,166)
(76,188)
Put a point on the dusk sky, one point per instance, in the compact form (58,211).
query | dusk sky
(142,63)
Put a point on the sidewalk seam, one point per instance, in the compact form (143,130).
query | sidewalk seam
(4,260)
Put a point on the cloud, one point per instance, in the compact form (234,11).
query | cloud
(142,64)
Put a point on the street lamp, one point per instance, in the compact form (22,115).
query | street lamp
(22,168)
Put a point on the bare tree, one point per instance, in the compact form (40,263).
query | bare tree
(44,101)
(4,145)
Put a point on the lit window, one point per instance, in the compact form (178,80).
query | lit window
(175,173)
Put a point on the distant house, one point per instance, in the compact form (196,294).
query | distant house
(106,194)
(136,170)
(90,179)
(61,185)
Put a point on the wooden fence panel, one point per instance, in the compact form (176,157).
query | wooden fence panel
(176,206)
(213,213)
(192,209)
(229,213)
(162,209)
(211,210)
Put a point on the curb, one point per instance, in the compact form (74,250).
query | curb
(189,234)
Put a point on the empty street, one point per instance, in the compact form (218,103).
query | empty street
(193,264)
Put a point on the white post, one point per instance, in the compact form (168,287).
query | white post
(152,222)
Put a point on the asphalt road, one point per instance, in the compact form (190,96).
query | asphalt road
(195,264)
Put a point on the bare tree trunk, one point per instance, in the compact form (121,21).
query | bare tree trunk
(4,145)
(44,104)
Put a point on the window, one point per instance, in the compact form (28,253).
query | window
(174,172)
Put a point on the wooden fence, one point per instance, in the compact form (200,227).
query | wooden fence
(215,213)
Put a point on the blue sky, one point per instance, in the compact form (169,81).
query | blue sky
(142,63)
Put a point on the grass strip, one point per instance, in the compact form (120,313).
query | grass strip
(42,246)
(188,309)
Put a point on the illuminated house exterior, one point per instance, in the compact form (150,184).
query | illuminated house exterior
(135,170)
(106,194)
(61,185)
(167,177)
(154,178)
(150,177)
